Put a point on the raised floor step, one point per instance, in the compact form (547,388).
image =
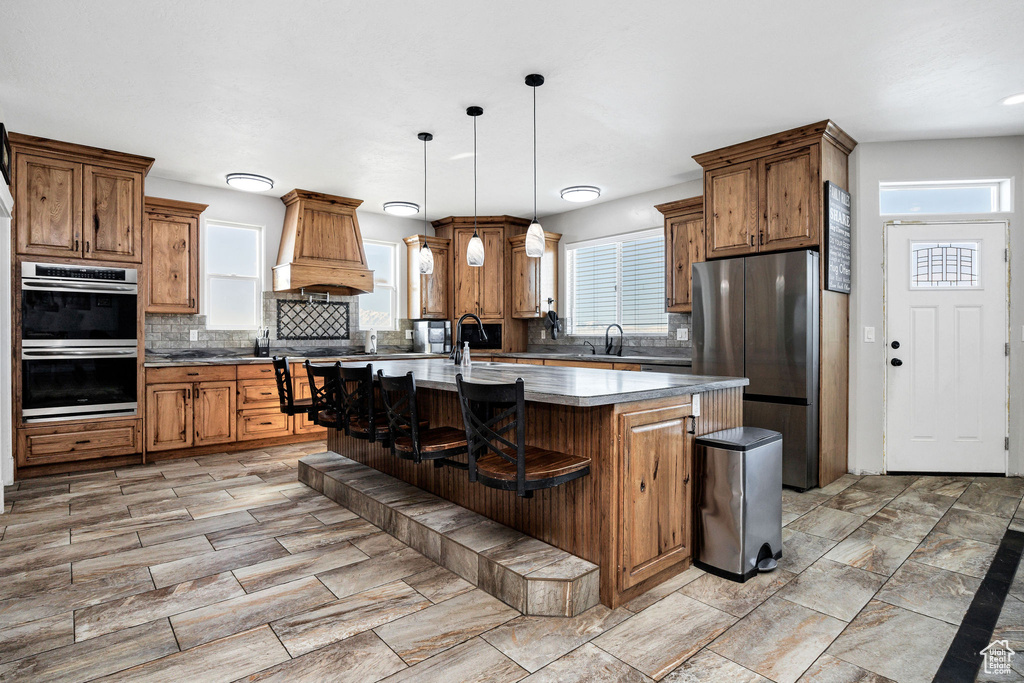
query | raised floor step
(528,574)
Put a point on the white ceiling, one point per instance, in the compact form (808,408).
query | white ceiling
(329,96)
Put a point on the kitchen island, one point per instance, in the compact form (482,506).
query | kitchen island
(632,514)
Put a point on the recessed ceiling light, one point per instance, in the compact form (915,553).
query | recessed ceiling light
(1015,99)
(250,182)
(581,193)
(401,208)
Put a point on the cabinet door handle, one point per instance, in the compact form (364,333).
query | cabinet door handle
(762,238)
(87,246)
(191,374)
(83,441)
(538,309)
(751,240)
(188,393)
(266,423)
(76,245)
(643,486)
(192,302)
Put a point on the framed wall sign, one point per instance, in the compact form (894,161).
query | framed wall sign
(837,239)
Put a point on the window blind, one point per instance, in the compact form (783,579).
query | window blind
(643,286)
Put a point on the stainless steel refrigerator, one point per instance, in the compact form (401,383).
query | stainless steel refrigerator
(757,317)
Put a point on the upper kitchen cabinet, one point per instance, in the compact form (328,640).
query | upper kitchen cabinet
(77,202)
(684,246)
(171,231)
(480,290)
(533,280)
(321,246)
(428,294)
(767,194)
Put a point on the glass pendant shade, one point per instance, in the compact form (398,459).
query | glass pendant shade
(475,251)
(426,260)
(535,240)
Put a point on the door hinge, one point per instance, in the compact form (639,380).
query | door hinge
(1007,349)
(1006,443)
(1006,255)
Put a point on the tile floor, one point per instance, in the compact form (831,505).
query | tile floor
(224,568)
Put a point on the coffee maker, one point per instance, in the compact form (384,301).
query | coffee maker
(432,336)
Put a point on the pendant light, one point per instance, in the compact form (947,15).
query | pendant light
(535,234)
(475,250)
(426,256)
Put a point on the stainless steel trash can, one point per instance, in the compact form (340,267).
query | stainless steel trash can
(739,502)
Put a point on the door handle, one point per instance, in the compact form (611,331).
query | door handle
(895,345)
(895,362)
(751,240)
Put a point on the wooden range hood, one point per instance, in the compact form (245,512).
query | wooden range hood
(321,246)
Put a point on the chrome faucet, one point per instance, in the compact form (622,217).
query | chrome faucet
(608,344)
(593,351)
(456,354)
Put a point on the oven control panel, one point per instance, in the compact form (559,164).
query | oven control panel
(81,273)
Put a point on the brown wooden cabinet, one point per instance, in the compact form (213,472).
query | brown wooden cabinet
(767,194)
(77,202)
(171,260)
(684,246)
(655,492)
(533,280)
(66,442)
(428,294)
(213,416)
(300,390)
(168,416)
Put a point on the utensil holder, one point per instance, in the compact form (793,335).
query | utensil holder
(261,347)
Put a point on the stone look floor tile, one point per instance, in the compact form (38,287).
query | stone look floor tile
(973,525)
(174,530)
(474,661)
(375,571)
(909,526)
(890,485)
(438,584)
(334,533)
(858,501)
(30,582)
(779,640)
(894,642)
(942,485)
(41,635)
(708,666)
(833,588)
(250,533)
(800,550)
(1007,486)
(535,642)
(955,554)
(828,523)
(139,557)
(978,498)
(19,610)
(829,669)
(257,577)
(801,503)
(50,555)
(930,591)
(664,635)
(923,502)
(359,659)
(422,634)
(874,552)
(587,663)
(645,600)
(343,618)
(738,599)
(215,562)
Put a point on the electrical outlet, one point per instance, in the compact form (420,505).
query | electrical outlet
(543,334)
(869,335)
(193,335)
(682,334)
(408,334)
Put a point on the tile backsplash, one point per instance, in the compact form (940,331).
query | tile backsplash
(169,331)
(649,345)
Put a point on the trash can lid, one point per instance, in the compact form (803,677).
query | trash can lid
(739,438)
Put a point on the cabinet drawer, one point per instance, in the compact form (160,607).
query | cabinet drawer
(65,443)
(190,373)
(263,423)
(302,424)
(258,393)
(256,371)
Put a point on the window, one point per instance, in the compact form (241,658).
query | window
(944,197)
(233,267)
(950,265)
(379,309)
(620,280)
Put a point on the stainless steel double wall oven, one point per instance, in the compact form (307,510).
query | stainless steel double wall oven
(79,341)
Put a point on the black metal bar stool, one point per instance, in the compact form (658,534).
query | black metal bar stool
(410,437)
(358,407)
(289,404)
(491,411)
(323,388)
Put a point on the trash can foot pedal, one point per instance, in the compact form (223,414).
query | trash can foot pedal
(768,564)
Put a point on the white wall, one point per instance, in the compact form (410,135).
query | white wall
(628,214)
(236,206)
(871,163)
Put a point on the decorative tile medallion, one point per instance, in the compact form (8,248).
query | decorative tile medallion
(305,320)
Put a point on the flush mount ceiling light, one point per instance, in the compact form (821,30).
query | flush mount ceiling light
(426,256)
(250,182)
(581,193)
(475,248)
(1015,99)
(535,234)
(401,208)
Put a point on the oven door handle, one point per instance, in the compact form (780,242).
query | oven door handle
(70,354)
(88,287)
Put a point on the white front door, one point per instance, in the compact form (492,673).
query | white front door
(946,333)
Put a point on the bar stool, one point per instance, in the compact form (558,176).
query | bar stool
(491,411)
(289,404)
(358,408)
(410,437)
(323,388)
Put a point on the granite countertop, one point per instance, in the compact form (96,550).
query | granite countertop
(226,357)
(567,386)
(681,361)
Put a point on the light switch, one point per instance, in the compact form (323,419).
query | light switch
(543,334)
(682,334)
(408,334)
(869,334)
(193,335)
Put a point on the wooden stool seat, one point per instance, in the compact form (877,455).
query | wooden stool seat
(298,406)
(433,440)
(540,464)
(327,418)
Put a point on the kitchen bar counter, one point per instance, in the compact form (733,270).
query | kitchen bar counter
(680,361)
(631,515)
(171,360)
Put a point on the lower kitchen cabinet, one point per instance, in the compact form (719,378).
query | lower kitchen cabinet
(189,414)
(214,413)
(263,423)
(300,390)
(70,442)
